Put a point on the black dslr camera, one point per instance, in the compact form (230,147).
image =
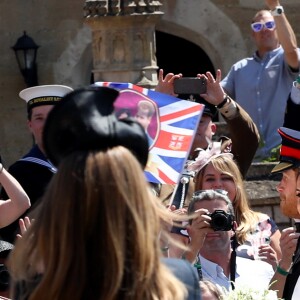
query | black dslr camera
(4,278)
(221,221)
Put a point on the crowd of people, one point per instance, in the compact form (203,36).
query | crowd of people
(80,221)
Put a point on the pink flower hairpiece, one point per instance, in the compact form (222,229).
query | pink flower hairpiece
(205,156)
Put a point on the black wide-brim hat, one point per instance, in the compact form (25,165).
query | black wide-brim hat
(84,120)
(289,150)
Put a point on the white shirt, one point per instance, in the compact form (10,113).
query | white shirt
(255,274)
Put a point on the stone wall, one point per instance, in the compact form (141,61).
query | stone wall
(219,27)
(263,197)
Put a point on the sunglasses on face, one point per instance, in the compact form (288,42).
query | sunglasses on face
(258,26)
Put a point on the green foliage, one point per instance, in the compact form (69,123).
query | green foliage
(274,156)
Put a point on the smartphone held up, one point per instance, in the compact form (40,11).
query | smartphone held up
(189,85)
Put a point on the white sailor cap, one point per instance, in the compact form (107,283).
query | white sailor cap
(44,94)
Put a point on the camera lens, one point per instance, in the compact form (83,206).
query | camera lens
(221,221)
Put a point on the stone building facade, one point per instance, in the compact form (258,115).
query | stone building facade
(69,32)
(219,28)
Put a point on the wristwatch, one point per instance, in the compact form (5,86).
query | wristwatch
(277,11)
(224,101)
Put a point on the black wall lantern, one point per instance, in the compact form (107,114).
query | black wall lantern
(26,50)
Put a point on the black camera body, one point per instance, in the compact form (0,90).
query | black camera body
(221,221)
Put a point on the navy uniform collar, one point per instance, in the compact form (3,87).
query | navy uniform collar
(35,155)
(35,151)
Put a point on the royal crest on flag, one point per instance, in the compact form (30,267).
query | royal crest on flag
(169,122)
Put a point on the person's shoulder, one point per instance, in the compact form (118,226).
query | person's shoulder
(21,166)
(180,267)
(19,163)
(262,217)
(249,265)
(30,175)
(187,274)
(239,66)
(254,273)
(18,167)
(243,62)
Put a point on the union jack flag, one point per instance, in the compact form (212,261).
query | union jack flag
(170,127)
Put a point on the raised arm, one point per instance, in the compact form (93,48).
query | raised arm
(286,36)
(197,231)
(242,130)
(18,201)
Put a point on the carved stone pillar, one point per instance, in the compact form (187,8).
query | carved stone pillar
(124,40)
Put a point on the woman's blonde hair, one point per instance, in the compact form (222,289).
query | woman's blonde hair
(246,218)
(212,288)
(96,234)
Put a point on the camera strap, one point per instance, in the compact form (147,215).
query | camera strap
(233,262)
(197,265)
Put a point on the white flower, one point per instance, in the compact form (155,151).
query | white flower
(247,293)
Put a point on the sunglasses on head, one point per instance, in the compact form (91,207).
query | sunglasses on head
(258,26)
(218,191)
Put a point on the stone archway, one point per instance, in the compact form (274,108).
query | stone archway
(189,61)
(199,22)
(204,24)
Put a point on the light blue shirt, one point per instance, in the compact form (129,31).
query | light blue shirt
(255,274)
(262,87)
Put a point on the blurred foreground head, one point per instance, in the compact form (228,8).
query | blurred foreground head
(84,120)
(98,220)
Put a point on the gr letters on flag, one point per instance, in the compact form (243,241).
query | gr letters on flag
(169,122)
